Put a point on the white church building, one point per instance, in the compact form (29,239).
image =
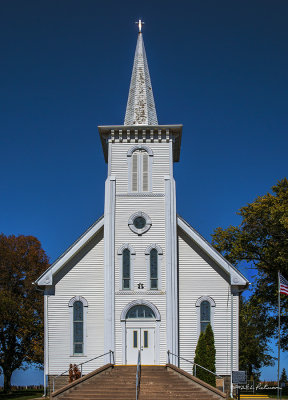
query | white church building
(140,278)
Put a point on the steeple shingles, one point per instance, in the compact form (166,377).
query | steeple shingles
(140,108)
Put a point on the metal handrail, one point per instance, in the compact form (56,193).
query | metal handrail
(91,359)
(138,374)
(194,364)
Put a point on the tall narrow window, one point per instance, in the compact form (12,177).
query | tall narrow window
(135,172)
(78,336)
(205,315)
(145,172)
(126,269)
(140,171)
(154,269)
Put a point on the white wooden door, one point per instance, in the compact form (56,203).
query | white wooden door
(140,339)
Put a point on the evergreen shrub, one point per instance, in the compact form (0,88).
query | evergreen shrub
(205,355)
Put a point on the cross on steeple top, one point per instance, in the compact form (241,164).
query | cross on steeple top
(140,23)
(140,108)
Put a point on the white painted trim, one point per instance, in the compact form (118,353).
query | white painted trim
(139,168)
(126,246)
(109,266)
(174,271)
(46,348)
(231,334)
(109,159)
(236,328)
(47,277)
(132,261)
(171,269)
(212,312)
(78,298)
(157,322)
(153,246)
(140,302)
(133,228)
(85,308)
(160,259)
(168,265)
(205,298)
(139,147)
(236,278)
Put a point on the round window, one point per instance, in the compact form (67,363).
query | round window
(139,223)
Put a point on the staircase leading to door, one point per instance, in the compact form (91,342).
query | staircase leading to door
(157,382)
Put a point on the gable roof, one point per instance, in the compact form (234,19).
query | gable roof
(236,278)
(47,277)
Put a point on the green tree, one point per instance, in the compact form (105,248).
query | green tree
(261,242)
(253,342)
(22,260)
(283,377)
(205,355)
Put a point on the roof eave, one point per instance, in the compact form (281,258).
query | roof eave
(46,279)
(236,278)
(175,129)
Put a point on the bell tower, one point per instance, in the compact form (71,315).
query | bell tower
(140,232)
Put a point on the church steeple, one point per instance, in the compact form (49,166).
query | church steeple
(140,108)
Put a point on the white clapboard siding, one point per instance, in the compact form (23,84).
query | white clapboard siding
(84,276)
(160,165)
(200,276)
(155,208)
(121,300)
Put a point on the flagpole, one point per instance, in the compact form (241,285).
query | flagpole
(278,390)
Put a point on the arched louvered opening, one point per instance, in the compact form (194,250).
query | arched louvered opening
(140,171)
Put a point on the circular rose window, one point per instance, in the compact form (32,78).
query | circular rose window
(139,223)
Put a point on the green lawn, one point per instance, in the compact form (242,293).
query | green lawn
(22,395)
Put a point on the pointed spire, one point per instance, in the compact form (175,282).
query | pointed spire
(140,108)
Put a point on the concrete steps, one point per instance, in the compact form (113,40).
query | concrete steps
(119,382)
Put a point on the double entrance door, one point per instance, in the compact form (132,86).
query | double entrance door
(142,339)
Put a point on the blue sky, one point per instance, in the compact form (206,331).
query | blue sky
(218,67)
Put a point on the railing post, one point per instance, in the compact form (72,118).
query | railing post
(195,369)
(223,385)
(110,356)
(81,370)
(168,352)
(53,384)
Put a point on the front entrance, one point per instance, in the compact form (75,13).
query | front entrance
(140,329)
(140,339)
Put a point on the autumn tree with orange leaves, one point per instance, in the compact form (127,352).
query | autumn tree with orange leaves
(22,260)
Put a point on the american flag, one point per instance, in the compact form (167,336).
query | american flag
(283,284)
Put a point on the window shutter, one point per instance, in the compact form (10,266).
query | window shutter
(145,172)
(134,172)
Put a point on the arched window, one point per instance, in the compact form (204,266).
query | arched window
(154,255)
(78,306)
(205,308)
(126,269)
(205,315)
(140,171)
(154,269)
(126,260)
(140,168)
(140,311)
(78,325)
